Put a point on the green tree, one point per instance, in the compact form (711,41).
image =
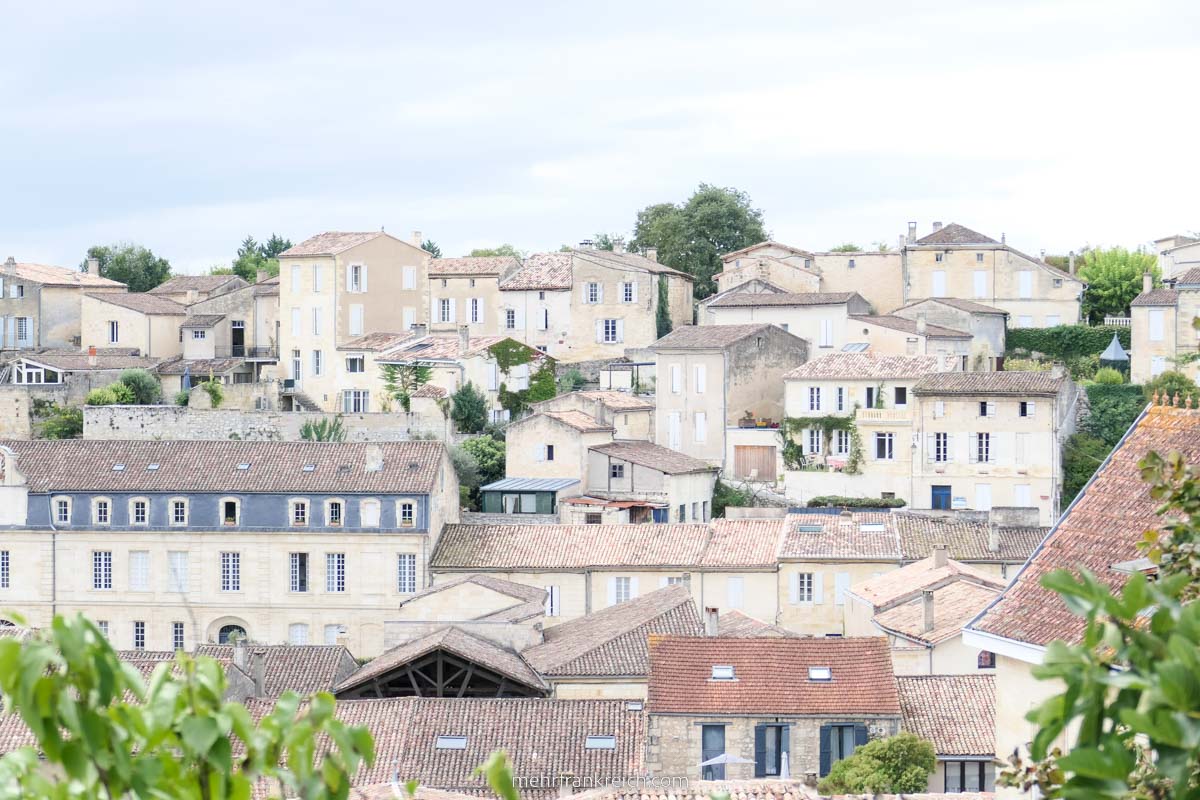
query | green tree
(608,241)
(725,496)
(144,386)
(571,381)
(1082,456)
(1109,376)
(466,468)
(468,409)
(431,247)
(1171,383)
(489,455)
(328,429)
(64,422)
(1114,278)
(253,257)
(274,246)
(662,312)
(104,733)
(848,247)
(1113,409)
(692,237)
(130,264)
(502,250)
(401,380)
(897,764)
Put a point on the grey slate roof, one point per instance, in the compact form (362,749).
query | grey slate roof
(956,234)
(529,485)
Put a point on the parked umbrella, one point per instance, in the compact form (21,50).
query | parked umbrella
(726,758)
(785,771)
(186,383)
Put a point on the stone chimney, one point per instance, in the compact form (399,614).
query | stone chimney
(419,329)
(239,654)
(10,266)
(1058,370)
(901,241)
(1071,262)
(374,458)
(941,555)
(652,254)
(993,536)
(937,226)
(912,232)
(1147,281)
(93,266)
(258,672)
(417,239)
(1043,254)
(342,639)
(464,339)
(927,607)
(91,355)
(1003,238)
(920,323)
(712,626)
(587,244)
(261,275)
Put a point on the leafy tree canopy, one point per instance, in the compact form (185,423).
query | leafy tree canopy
(253,257)
(143,384)
(608,241)
(489,455)
(1114,278)
(848,247)
(130,264)
(502,250)
(468,409)
(431,247)
(1171,383)
(328,429)
(897,764)
(691,237)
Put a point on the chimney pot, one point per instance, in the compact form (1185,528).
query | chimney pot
(937,226)
(258,672)
(993,537)
(417,239)
(10,266)
(93,266)
(1071,262)
(652,254)
(927,605)
(941,555)
(91,355)
(1147,281)
(900,242)
(587,244)
(1003,238)
(419,329)
(464,339)
(912,232)
(261,275)
(711,625)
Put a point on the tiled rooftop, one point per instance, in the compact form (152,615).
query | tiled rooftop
(653,456)
(961,305)
(330,243)
(742,299)
(142,302)
(178,284)
(1018,383)
(954,605)
(48,275)
(549,271)
(584,423)
(907,326)
(473,266)
(76,361)
(955,712)
(527,601)
(298,668)
(890,587)
(709,337)
(500,547)
(864,366)
(956,234)
(1156,297)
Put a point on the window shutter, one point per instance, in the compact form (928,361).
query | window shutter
(860,734)
(991,409)
(599,330)
(453,318)
(663,581)
(583,293)
(539,453)
(794,588)
(939,408)
(841,582)
(930,447)
(760,751)
(349,278)
(701,378)
(612,591)
(493,376)
(949,446)
(433,311)
(599,292)
(620,330)
(973,449)
(1030,408)
(364,277)
(826,760)
(634,286)
(785,742)
(1002,447)
(520,318)
(482,310)
(676,379)
(818,588)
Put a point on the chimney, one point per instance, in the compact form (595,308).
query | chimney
(927,606)
(10,266)
(941,555)
(846,517)
(993,536)
(417,239)
(374,459)
(1147,281)
(1071,262)
(912,232)
(342,639)
(91,355)
(587,244)
(920,323)
(1058,370)
(419,329)
(258,672)
(261,275)
(937,226)
(652,254)
(239,653)
(1003,238)
(900,242)
(464,339)
(711,625)
(93,266)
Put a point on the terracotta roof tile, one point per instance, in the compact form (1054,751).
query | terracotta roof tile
(504,547)
(609,398)
(954,605)
(840,537)
(48,275)
(142,302)
(911,579)
(1156,297)
(330,243)
(377,341)
(627,261)
(961,305)
(1018,383)
(742,299)
(473,266)
(585,423)
(78,362)
(771,676)
(432,391)
(550,271)
(909,326)
(955,712)
(864,365)
(201,320)
(447,347)
(298,668)
(1101,528)
(199,368)
(528,601)
(648,454)
(738,625)
(967,540)
(760,245)
(211,466)
(956,234)
(178,284)
(757,789)
(1189,278)
(743,543)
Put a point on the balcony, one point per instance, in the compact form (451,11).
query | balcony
(884,416)
(248,352)
(1118,322)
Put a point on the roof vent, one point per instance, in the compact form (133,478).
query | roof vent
(823,674)
(243,466)
(151,467)
(310,468)
(118,468)
(451,743)
(722,672)
(414,465)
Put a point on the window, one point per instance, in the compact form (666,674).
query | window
(333,513)
(939,283)
(1025,284)
(676,379)
(939,257)
(114,332)
(980,282)
(553,601)
(356,320)
(1155,320)
(814,441)
(102,624)
(987,409)
(979,258)
(102,569)
(1026,408)
(941,447)
(510,318)
(820,674)
(701,426)
(629,292)
(177,571)
(814,398)
(17,290)
(335,572)
(316,362)
(444,310)
(406,573)
(851,264)
(230,634)
(839,742)
(804,588)
(139,635)
(826,339)
(295,321)
(231,572)
(62,511)
(723,672)
(368,513)
(356,363)
(622,590)
(316,320)
(983,447)
(986,660)
(885,446)
(770,743)
(316,278)
(967,776)
(356,278)
(298,572)
(298,633)
(199,334)
(356,401)
(901,396)
(102,511)
(593,293)
(600,742)
(1158,365)
(451,743)
(544,316)
(593,519)
(700,379)
(179,512)
(616,470)
(682,512)
(139,570)
(4,569)
(841,443)
(139,512)
(870,397)
(840,395)
(735,589)
(1057,283)
(610,331)
(299,512)
(229,512)
(177,640)
(407,514)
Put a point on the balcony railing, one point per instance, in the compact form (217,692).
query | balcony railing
(269,352)
(895,416)
(1119,322)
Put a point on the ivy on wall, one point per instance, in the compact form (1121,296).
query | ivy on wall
(508,354)
(793,452)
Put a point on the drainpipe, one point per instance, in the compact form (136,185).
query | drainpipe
(587,591)
(53,556)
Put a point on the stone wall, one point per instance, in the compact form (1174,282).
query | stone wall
(177,422)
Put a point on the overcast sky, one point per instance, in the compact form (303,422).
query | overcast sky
(185,127)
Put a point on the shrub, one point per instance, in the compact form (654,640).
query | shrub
(1171,383)
(467,470)
(1026,365)
(123,394)
(143,384)
(182,397)
(725,495)
(103,396)
(1083,368)
(329,429)
(214,391)
(1108,376)
(900,763)
(1065,341)
(489,455)
(1113,410)
(468,409)
(837,501)
(570,381)
(63,423)
(1082,456)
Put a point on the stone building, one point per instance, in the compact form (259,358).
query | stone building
(1163,333)
(40,304)
(138,321)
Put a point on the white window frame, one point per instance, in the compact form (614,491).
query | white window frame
(114,331)
(890,439)
(133,503)
(356,363)
(356,401)
(980,281)
(178,636)
(814,398)
(355,278)
(139,634)
(199,334)
(295,573)
(177,571)
(1025,284)
(841,442)
(983,448)
(701,426)
(231,571)
(840,395)
(401,507)
(628,292)
(139,570)
(377,513)
(1155,327)
(622,589)
(593,293)
(804,587)
(100,504)
(699,378)
(298,633)
(237,511)
(335,573)
(444,310)
(59,503)
(316,320)
(941,447)
(102,570)
(406,573)
(317,362)
(611,331)
(510,319)
(172,509)
(298,512)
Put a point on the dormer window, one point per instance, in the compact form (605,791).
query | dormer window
(230,511)
(152,468)
(179,511)
(820,674)
(101,511)
(600,742)
(118,468)
(407,514)
(309,468)
(139,511)
(299,512)
(634,705)
(451,743)
(62,511)
(722,672)
(333,513)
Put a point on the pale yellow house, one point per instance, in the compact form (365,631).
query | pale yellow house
(40,304)
(892,335)
(139,321)
(538,299)
(825,320)
(987,326)
(955,261)
(630,415)
(338,286)
(957,714)
(874,274)
(1177,255)
(1162,328)
(466,291)
(788,268)
(638,481)
(189,289)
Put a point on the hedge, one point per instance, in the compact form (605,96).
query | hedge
(1114,407)
(1065,341)
(837,501)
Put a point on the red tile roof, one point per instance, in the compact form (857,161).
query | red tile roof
(298,668)
(956,234)
(653,456)
(48,275)
(473,266)
(955,712)
(550,271)
(503,547)
(330,243)
(142,302)
(771,676)
(864,366)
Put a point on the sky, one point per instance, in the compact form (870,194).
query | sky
(186,127)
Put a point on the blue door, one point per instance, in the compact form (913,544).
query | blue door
(941,498)
(661,514)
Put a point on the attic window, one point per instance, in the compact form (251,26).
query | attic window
(310,467)
(118,468)
(151,467)
(820,673)
(599,742)
(872,527)
(243,466)
(451,743)
(722,672)
(810,528)
(634,705)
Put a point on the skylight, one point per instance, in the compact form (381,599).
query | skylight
(820,673)
(451,743)
(151,467)
(810,528)
(872,527)
(118,467)
(634,705)
(722,672)
(310,467)
(600,742)
(243,466)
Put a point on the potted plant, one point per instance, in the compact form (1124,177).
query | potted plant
(747,421)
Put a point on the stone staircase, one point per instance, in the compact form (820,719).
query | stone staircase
(302,402)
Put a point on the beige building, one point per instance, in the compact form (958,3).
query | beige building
(987,326)
(824,320)
(957,713)
(874,274)
(553,444)
(40,304)
(466,291)
(189,289)
(169,544)
(1177,255)
(1163,331)
(955,261)
(893,335)
(788,268)
(713,376)
(638,481)
(630,415)
(143,322)
(335,287)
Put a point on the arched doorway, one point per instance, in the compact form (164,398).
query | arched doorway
(228,634)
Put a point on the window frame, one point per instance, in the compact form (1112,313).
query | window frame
(172,508)
(362,517)
(178,636)
(97,504)
(888,439)
(360,359)
(341,506)
(231,571)
(610,336)
(616,470)
(298,573)
(175,578)
(237,511)
(61,499)
(102,570)
(593,293)
(411,505)
(132,510)
(335,573)
(404,572)
(297,504)
(145,585)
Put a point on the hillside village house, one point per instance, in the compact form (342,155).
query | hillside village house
(1162,327)
(712,377)
(631,415)
(537,302)
(957,713)
(553,444)
(1177,255)
(245,323)
(638,481)
(1027,616)
(40,304)
(189,289)
(893,335)
(140,321)
(986,325)
(168,544)
(335,287)
(822,319)
(775,704)
(955,261)
(466,291)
